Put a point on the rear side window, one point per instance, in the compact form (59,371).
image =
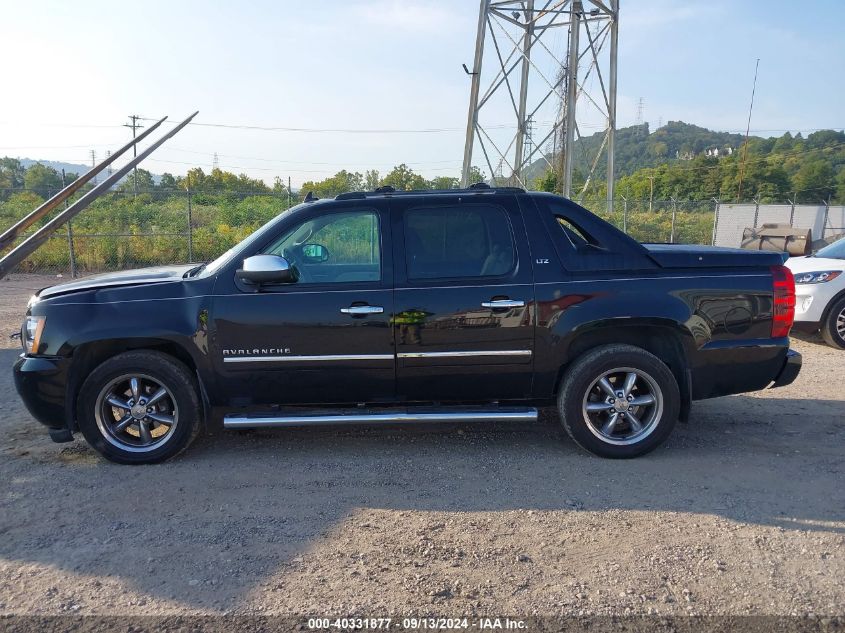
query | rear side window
(575,235)
(460,241)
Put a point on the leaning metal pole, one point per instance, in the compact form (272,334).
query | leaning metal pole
(28,246)
(12,233)
(472,116)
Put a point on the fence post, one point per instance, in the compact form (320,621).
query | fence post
(756,211)
(71,251)
(715,219)
(826,216)
(625,215)
(791,213)
(190,229)
(674,212)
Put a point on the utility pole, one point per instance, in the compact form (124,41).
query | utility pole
(215,165)
(93,164)
(135,126)
(108,169)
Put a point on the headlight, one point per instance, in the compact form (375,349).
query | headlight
(818,277)
(31,333)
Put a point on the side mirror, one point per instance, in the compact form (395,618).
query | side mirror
(314,253)
(266,269)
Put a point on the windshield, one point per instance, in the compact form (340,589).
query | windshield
(256,237)
(832,251)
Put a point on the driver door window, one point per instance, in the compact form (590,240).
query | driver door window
(335,248)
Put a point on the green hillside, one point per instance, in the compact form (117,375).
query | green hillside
(680,161)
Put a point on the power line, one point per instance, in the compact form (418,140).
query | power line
(272,169)
(302,162)
(747,131)
(264,128)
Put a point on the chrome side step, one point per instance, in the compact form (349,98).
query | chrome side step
(257,421)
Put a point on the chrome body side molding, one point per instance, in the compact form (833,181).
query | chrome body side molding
(528,414)
(306,359)
(502,352)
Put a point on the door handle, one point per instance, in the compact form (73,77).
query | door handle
(362,310)
(503,303)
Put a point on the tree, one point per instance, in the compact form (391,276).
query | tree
(341,182)
(167,181)
(814,181)
(42,179)
(11,173)
(144,179)
(445,182)
(476,175)
(403,178)
(547,182)
(371,180)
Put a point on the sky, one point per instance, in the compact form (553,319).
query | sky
(368,84)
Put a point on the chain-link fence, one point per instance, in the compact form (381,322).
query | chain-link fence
(123,230)
(732,219)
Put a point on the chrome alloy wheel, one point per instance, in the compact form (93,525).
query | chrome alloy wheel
(623,406)
(136,413)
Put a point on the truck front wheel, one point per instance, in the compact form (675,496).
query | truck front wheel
(139,407)
(618,401)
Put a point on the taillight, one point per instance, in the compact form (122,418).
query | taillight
(783,308)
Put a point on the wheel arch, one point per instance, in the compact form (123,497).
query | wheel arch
(827,309)
(667,340)
(87,356)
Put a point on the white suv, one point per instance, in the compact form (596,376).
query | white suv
(820,292)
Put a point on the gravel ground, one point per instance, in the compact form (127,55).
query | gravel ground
(742,512)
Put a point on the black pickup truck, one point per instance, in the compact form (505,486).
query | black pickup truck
(479,304)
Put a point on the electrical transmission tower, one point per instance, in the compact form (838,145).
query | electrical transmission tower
(529,78)
(215,165)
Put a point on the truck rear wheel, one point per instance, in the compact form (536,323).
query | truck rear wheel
(833,329)
(139,407)
(618,401)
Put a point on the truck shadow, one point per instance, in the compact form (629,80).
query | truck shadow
(212,526)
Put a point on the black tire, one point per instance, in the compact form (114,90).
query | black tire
(830,328)
(152,371)
(580,388)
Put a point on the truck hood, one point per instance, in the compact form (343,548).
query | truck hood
(141,276)
(691,256)
(810,264)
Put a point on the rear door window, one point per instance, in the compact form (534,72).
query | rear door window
(467,241)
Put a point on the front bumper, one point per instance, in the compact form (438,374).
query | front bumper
(42,385)
(790,370)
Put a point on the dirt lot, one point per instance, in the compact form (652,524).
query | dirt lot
(742,512)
